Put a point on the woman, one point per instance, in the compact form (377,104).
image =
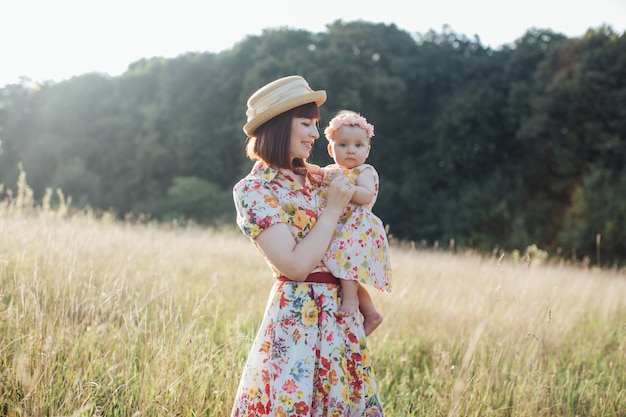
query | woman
(305,359)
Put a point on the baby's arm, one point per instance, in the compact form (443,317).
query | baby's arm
(365,184)
(313,168)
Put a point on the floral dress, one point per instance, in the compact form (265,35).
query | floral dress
(304,360)
(359,249)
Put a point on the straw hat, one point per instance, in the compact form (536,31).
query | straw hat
(277,97)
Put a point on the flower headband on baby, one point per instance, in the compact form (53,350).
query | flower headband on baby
(348,119)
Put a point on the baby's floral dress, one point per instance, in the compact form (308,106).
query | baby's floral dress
(304,360)
(359,249)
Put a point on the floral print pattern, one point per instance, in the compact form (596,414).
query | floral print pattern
(359,249)
(266,197)
(304,361)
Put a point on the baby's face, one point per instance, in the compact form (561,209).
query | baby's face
(349,147)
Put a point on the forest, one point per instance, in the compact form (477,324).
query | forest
(490,149)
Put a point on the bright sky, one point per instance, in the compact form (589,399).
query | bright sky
(57,39)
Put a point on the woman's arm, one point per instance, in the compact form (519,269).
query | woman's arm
(294,259)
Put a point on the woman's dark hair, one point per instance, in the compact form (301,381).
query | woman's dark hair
(271,140)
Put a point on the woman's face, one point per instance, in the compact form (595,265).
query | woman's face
(350,146)
(303,134)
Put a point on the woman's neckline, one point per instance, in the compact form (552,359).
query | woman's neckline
(289,174)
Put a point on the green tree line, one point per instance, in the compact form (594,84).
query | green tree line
(488,148)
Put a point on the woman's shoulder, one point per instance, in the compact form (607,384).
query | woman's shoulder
(259,174)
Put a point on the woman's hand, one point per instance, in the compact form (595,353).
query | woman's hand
(297,259)
(340,192)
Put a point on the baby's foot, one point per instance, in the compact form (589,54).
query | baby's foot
(371,321)
(349,306)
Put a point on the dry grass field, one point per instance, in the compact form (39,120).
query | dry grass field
(106,318)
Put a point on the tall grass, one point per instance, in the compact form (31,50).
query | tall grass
(106,318)
(472,336)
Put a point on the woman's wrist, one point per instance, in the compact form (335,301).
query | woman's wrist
(332,212)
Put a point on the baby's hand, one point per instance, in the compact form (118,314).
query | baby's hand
(328,177)
(313,168)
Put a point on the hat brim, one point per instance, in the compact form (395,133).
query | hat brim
(318,97)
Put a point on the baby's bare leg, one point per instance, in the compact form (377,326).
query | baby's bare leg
(349,299)
(371,317)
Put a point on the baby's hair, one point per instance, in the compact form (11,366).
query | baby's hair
(348,118)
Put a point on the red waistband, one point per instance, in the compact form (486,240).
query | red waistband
(317,277)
